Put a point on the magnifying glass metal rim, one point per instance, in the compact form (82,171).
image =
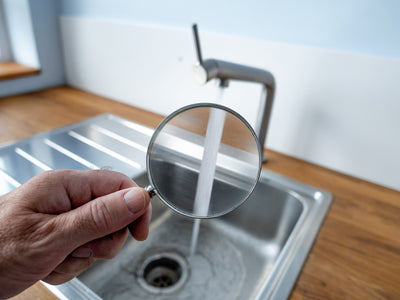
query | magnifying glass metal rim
(152,188)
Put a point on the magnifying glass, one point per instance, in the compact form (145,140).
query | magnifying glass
(203,160)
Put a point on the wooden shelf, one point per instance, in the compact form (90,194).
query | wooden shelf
(9,69)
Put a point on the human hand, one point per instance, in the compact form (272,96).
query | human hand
(58,223)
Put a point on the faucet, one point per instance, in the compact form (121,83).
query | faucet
(208,69)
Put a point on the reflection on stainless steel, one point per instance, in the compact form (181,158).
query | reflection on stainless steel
(254,252)
(103,141)
(181,183)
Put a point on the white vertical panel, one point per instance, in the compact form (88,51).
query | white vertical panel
(339,110)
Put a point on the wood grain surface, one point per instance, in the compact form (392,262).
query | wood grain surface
(357,252)
(10,69)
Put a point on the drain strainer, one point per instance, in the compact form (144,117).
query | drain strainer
(163,272)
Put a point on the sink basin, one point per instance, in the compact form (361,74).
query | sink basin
(254,252)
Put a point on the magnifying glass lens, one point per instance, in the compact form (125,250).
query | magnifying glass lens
(204,160)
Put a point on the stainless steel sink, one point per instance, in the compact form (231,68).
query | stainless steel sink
(254,252)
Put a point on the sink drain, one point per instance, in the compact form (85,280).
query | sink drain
(163,272)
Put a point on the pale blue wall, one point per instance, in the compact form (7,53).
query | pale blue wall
(361,26)
(45,25)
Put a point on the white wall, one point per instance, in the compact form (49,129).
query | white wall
(335,109)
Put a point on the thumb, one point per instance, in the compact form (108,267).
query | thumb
(104,215)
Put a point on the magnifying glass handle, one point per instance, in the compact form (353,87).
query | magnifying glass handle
(150,190)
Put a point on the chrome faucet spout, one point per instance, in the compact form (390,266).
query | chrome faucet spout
(208,69)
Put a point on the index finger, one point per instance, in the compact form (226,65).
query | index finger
(84,186)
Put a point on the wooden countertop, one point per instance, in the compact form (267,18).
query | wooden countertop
(357,252)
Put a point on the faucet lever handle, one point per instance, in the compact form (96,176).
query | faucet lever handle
(197,43)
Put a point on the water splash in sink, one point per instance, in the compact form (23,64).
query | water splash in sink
(211,268)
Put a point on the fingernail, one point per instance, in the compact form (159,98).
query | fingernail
(82,252)
(135,200)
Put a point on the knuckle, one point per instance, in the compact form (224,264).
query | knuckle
(101,215)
